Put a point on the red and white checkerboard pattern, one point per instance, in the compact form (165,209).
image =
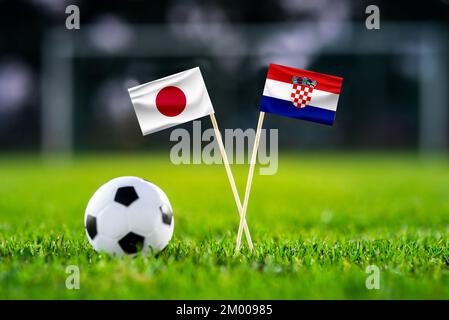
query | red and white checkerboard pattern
(301,95)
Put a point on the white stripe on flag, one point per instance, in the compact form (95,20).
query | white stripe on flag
(282,90)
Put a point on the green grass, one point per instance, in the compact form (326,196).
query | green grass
(316,224)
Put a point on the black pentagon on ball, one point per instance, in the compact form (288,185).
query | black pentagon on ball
(131,243)
(91,226)
(167,215)
(126,195)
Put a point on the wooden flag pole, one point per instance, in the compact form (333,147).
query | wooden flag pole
(231,181)
(250,180)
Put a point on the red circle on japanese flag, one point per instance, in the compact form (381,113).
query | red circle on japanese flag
(171,101)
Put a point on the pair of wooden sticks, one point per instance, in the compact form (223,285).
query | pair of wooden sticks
(243,226)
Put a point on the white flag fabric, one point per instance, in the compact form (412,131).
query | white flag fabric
(170,101)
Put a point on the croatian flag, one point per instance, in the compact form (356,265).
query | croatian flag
(301,94)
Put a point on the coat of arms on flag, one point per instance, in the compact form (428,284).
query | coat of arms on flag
(302,91)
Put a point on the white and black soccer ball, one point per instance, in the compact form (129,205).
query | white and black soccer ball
(129,214)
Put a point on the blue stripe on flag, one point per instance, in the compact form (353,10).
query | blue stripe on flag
(287,109)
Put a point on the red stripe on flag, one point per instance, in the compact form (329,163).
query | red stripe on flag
(325,82)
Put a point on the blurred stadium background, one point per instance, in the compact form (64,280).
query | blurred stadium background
(65,91)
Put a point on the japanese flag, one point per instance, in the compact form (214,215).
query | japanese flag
(170,101)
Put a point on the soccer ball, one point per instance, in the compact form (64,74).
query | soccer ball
(127,215)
